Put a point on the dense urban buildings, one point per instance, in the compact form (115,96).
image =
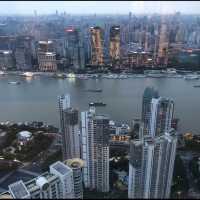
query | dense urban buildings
(60,182)
(99,156)
(86,153)
(59,42)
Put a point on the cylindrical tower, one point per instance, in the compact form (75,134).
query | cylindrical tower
(76,165)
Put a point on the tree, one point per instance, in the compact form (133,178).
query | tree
(180,181)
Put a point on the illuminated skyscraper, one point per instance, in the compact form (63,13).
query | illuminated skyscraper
(162,57)
(69,129)
(114,43)
(97,46)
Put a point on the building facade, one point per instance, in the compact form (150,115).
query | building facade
(6,60)
(60,182)
(161,116)
(152,156)
(95,150)
(47,61)
(162,57)
(74,48)
(45,186)
(97,56)
(114,44)
(76,165)
(24,51)
(151,166)
(66,183)
(69,128)
(149,93)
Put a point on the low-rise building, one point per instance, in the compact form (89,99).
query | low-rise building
(59,183)
(24,137)
(47,61)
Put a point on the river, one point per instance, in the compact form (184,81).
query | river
(35,99)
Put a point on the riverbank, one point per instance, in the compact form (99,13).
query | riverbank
(188,75)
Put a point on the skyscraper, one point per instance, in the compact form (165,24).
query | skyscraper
(151,166)
(97,46)
(152,156)
(95,150)
(161,116)
(69,128)
(163,45)
(74,48)
(24,52)
(149,93)
(114,44)
(6,60)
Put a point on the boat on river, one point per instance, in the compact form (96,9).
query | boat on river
(94,90)
(196,86)
(191,77)
(97,104)
(28,74)
(14,82)
(2,73)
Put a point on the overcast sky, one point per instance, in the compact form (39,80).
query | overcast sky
(99,7)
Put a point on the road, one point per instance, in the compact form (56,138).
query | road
(6,176)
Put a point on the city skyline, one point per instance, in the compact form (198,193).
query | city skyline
(99,7)
(99,99)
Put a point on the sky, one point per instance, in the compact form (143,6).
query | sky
(99,7)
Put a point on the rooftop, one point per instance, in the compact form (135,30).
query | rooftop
(19,190)
(45,42)
(2,134)
(101,117)
(61,168)
(75,163)
(26,134)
